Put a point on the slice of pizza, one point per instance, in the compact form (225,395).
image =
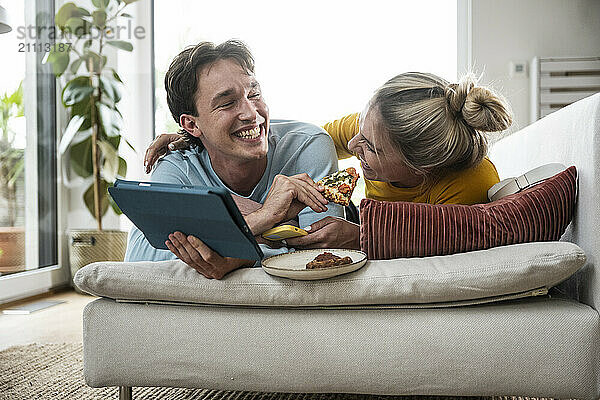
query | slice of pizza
(326,260)
(339,186)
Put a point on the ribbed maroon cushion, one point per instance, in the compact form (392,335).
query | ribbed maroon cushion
(402,229)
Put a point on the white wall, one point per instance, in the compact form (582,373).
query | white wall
(518,30)
(135,69)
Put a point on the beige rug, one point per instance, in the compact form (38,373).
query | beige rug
(55,371)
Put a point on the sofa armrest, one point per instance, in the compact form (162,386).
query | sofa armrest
(570,136)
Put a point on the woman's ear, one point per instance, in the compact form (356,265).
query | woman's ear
(188,122)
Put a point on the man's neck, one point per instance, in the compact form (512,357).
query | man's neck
(242,178)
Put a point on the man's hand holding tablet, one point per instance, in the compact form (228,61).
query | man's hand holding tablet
(202,258)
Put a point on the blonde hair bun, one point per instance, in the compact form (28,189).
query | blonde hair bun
(480,107)
(436,126)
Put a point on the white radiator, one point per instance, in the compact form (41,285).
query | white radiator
(558,82)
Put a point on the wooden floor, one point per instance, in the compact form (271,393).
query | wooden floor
(56,324)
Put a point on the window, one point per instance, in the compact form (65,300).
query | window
(316,60)
(28,216)
(12,152)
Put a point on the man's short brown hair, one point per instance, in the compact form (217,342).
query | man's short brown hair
(181,80)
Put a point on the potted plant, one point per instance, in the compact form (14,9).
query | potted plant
(91,93)
(12,165)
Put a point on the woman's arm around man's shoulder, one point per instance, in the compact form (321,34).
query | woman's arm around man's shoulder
(342,131)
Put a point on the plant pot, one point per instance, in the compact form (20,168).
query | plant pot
(89,246)
(12,249)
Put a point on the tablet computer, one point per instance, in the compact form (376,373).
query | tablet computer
(209,213)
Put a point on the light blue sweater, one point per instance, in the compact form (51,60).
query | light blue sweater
(294,147)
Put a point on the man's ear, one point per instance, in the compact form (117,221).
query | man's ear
(188,122)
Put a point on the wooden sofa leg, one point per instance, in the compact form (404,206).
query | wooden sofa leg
(125,393)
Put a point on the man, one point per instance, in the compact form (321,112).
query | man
(213,95)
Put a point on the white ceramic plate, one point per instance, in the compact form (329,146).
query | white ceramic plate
(293,265)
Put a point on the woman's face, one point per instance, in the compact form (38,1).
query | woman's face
(378,159)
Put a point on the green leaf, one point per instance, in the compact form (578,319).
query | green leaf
(126,15)
(87,124)
(82,108)
(93,62)
(17,97)
(107,87)
(99,18)
(114,205)
(120,44)
(109,120)
(129,1)
(75,65)
(76,90)
(88,197)
(70,131)
(114,140)
(81,158)
(67,11)
(116,76)
(83,12)
(17,170)
(118,112)
(78,26)
(58,59)
(108,103)
(12,106)
(87,44)
(100,3)
(82,134)
(110,161)
(111,124)
(122,167)
(130,145)
(110,89)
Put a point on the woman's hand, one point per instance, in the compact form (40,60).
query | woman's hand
(159,147)
(329,232)
(202,258)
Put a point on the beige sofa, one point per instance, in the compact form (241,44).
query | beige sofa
(429,326)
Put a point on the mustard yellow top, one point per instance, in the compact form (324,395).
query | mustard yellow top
(469,186)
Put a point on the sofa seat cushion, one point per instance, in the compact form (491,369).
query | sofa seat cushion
(461,277)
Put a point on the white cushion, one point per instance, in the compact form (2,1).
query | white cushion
(484,274)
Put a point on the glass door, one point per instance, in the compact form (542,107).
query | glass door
(28,163)
(12,148)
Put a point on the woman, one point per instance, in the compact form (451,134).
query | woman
(420,139)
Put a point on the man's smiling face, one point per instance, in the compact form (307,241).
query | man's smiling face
(233,119)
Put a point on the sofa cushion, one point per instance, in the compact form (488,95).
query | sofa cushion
(465,277)
(540,213)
